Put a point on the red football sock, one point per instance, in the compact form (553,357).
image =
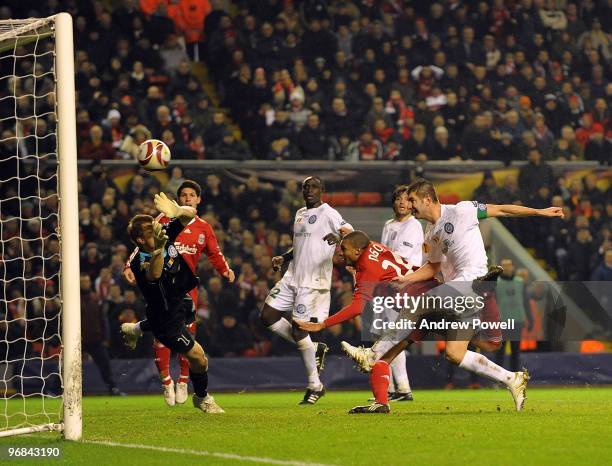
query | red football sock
(380,376)
(162,361)
(184,362)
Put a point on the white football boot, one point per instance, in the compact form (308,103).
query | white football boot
(169,396)
(181,392)
(518,388)
(131,334)
(207,404)
(363,357)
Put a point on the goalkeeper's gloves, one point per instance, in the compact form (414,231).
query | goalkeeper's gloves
(159,235)
(167,206)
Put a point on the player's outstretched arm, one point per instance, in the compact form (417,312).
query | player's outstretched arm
(156,265)
(426,272)
(510,210)
(171,209)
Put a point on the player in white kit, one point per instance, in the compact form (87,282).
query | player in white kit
(403,234)
(304,290)
(452,234)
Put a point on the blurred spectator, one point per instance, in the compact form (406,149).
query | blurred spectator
(312,141)
(603,272)
(94,330)
(488,192)
(366,148)
(229,149)
(581,256)
(513,301)
(95,147)
(535,173)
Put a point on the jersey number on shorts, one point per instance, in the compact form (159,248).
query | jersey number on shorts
(183,339)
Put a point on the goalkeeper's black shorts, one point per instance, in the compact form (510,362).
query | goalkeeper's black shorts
(180,341)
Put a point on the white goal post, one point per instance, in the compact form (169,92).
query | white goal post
(40,390)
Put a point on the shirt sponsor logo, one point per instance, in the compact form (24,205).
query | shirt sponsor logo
(185,248)
(449,227)
(201,238)
(172,251)
(312,219)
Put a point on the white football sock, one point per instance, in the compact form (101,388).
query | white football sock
(381,347)
(307,350)
(282,327)
(400,374)
(391,387)
(482,366)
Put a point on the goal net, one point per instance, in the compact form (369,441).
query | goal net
(40,357)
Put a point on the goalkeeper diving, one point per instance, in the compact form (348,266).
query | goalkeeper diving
(164,277)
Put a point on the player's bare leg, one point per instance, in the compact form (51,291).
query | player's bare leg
(198,372)
(277,323)
(182,384)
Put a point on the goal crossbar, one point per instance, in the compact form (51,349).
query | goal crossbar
(24,30)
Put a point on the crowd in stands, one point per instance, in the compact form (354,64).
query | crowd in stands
(312,79)
(343,80)
(575,246)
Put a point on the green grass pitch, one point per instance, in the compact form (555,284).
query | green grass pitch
(558,426)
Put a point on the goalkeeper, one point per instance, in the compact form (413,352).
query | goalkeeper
(164,278)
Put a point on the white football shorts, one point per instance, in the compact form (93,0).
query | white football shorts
(303,303)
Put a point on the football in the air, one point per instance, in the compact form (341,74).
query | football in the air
(153,154)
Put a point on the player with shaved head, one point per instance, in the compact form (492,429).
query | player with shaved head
(304,291)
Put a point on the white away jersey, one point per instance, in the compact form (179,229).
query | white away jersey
(456,237)
(312,266)
(405,238)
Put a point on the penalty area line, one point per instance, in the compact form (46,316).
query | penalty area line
(187,451)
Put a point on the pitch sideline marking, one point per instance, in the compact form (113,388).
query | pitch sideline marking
(186,451)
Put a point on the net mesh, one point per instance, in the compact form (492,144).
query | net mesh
(30,343)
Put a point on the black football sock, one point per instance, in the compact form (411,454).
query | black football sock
(200,383)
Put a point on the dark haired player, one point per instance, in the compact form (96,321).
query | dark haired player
(304,289)
(197,238)
(164,278)
(453,245)
(403,234)
(374,265)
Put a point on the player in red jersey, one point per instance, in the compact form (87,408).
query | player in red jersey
(374,264)
(196,238)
